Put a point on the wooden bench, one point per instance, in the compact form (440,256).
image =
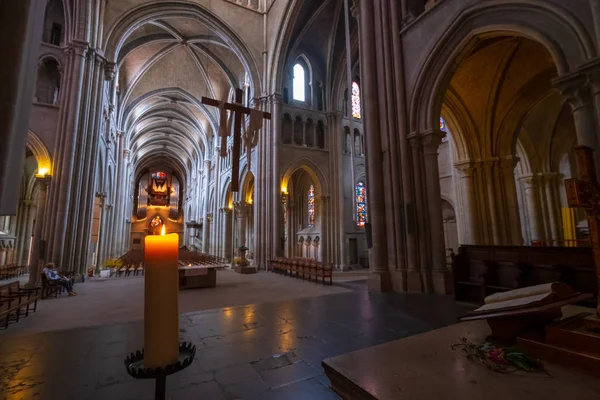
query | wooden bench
(480,271)
(307,269)
(16,301)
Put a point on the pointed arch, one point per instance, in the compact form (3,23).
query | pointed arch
(40,152)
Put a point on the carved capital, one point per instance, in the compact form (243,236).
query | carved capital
(431,141)
(226,210)
(209,217)
(592,72)
(78,48)
(466,168)
(110,70)
(528,181)
(508,164)
(43,181)
(414,140)
(126,153)
(575,89)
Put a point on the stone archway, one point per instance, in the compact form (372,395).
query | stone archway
(485,150)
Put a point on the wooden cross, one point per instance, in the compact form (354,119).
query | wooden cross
(585,192)
(239,111)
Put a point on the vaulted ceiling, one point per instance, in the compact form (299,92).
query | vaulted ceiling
(502,92)
(165,66)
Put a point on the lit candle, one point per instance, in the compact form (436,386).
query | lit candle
(161,286)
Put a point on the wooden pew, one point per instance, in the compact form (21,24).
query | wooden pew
(16,301)
(483,270)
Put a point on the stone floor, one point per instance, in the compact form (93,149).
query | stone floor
(260,351)
(120,300)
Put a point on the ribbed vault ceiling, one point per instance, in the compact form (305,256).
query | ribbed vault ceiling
(165,66)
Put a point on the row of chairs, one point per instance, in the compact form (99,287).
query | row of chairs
(16,302)
(187,257)
(12,271)
(303,268)
(133,263)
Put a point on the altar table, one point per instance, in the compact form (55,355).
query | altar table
(425,367)
(197,276)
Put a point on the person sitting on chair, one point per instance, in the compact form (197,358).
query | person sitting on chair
(54,276)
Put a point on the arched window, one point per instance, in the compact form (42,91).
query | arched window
(48,82)
(311,206)
(355,100)
(361,204)
(299,87)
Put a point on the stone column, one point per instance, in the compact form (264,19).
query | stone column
(529,183)
(36,258)
(552,205)
(205,224)
(380,277)
(31,214)
(227,233)
(592,70)
(414,274)
(126,204)
(511,202)
(23,22)
(23,239)
(441,277)
(578,94)
(469,214)
(67,145)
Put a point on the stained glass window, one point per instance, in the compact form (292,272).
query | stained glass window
(361,204)
(311,206)
(444,129)
(299,86)
(159,175)
(355,100)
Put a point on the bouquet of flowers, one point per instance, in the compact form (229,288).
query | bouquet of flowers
(499,359)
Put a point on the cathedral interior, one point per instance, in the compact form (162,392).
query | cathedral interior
(402,137)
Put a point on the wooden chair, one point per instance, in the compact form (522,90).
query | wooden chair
(50,288)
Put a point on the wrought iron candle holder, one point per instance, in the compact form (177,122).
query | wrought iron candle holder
(135,367)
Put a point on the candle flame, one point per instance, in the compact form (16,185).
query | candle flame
(163,231)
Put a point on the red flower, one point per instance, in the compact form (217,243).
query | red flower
(497,356)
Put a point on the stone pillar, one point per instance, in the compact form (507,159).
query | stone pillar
(36,258)
(529,183)
(31,214)
(592,70)
(260,227)
(577,92)
(67,145)
(512,219)
(22,21)
(380,277)
(205,227)
(322,203)
(24,233)
(552,205)
(441,276)
(227,234)
(414,273)
(469,207)
(125,212)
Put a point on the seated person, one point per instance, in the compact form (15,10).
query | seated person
(53,275)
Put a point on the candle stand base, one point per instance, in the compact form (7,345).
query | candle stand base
(135,367)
